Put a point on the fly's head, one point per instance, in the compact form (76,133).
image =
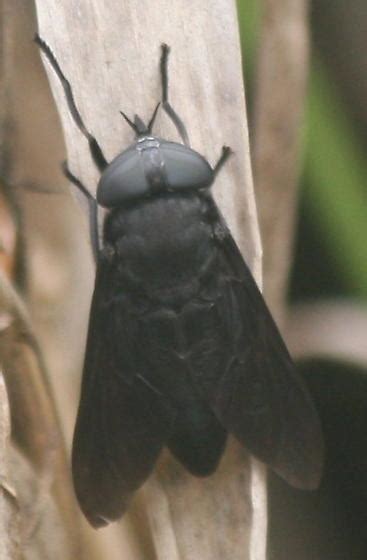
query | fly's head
(151,166)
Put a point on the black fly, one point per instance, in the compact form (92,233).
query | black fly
(181,347)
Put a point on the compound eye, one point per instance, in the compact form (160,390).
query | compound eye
(185,168)
(123,180)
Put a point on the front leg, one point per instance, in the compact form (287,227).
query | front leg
(226,153)
(94,147)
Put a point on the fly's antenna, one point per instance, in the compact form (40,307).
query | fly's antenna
(151,122)
(140,126)
(130,123)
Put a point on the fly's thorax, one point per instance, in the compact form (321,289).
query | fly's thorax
(152,166)
(162,242)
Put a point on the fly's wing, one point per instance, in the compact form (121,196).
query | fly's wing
(122,420)
(260,397)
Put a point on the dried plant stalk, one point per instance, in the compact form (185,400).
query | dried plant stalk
(110,51)
(34,422)
(280,95)
(10,548)
(39,466)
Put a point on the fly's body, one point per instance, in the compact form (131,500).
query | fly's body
(164,300)
(181,347)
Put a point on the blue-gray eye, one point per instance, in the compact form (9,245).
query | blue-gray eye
(122,180)
(185,168)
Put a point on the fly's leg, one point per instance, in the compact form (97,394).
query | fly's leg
(165,103)
(95,149)
(226,153)
(92,209)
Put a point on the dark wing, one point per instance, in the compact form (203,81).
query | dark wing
(122,421)
(260,397)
